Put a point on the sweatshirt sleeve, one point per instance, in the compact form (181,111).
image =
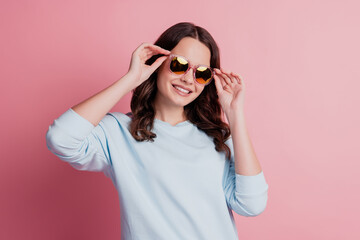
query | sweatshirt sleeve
(78,142)
(245,195)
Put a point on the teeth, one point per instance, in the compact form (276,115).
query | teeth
(181,89)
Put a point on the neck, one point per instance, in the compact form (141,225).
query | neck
(169,113)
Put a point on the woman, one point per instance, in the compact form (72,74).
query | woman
(172,160)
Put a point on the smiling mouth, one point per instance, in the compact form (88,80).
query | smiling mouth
(181,89)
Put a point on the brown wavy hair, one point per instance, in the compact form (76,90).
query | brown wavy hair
(205,111)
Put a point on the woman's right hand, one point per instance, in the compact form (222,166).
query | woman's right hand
(141,54)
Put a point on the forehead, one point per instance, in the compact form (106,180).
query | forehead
(194,50)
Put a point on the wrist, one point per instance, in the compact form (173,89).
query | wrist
(234,116)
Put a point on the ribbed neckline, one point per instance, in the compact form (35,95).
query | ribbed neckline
(162,123)
(180,124)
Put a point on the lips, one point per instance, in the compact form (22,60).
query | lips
(190,91)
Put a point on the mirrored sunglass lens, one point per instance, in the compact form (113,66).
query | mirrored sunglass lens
(178,65)
(203,75)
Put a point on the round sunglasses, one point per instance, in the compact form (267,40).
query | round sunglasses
(180,65)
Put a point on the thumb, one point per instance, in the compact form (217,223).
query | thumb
(158,62)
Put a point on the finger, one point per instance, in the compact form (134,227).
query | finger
(148,53)
(218,85)
(236,77)
(224,76)
(141,48)
(235,74)
(221,77)
(239,79)
(146,56)
(158,62)
(143,51)
(228,76)
(226,79)
(158,49)
(153,52)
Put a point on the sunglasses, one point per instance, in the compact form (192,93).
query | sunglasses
(180,65)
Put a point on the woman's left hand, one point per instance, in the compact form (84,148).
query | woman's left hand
(230,89)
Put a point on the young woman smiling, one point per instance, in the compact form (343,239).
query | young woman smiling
(179,169)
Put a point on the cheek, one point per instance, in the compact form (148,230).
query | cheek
(163,73)
(162,80)
(199,89)
(163,69)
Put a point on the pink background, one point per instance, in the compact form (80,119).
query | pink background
(300,60)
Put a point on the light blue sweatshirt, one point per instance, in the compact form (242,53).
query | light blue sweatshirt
(175,188)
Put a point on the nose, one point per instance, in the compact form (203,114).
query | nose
(188,77)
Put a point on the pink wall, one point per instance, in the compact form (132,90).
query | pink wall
(300,60)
